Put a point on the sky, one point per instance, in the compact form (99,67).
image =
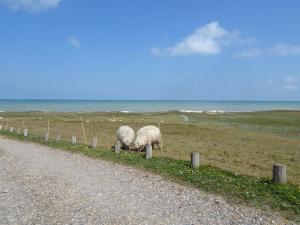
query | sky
(150,49)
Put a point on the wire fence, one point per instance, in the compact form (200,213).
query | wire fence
(232,152)
(290,132)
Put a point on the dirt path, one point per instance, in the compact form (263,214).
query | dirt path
(185,118)
(41,185)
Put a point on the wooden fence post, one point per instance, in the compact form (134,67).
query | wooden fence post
(0,127)
(47,136)
(118,147)
(25,132)
(94,142)
(148,151)
(73,140)
(195,159)
(83,130)
(58,137)
(279,173)
(11,129)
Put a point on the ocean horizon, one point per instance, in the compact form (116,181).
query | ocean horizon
(52,105)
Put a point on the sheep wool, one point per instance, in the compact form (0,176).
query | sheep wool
(126,136)
(148,135)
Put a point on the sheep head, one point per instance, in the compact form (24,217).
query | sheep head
(139,143)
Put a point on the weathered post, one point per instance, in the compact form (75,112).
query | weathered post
(195,159)
(25,132)
(19,131)
(279,173)
(0,127)
(84,136)
(94,142)
(118,147)
(148,151)
(47,136)
(58,137)
(73,140)
(11,129)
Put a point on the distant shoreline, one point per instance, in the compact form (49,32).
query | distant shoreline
(154,112)
(120,100)
(146,106)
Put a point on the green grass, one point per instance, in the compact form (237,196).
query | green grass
(243,143)
(253,191)
(282,123)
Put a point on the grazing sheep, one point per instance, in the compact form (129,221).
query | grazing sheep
(126,136)
(147,135)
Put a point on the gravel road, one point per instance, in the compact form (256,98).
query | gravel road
(42,185)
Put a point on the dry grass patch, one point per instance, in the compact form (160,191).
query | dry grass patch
(221,142)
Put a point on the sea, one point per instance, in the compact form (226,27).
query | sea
(144,106)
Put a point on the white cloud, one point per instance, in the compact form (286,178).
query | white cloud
(211,38)
(31,5)
(290,87)
(206,40)
(291,79)
(280,49)
(291,83)
(74,42)
(250,53)
(285,49)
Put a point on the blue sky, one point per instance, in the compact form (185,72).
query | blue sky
(147,49)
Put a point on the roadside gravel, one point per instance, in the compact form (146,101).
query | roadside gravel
(42,185)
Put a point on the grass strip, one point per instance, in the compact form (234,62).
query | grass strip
(253,191)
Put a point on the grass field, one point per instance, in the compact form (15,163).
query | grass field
(283,199)
(243,143)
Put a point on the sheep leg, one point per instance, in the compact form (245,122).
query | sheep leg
(158,145)
(125,147)
(140,149)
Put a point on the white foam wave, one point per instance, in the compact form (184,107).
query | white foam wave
(215,111)
(191,111)
(200,111)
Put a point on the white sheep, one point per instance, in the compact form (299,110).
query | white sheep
(147,135)
(125,136)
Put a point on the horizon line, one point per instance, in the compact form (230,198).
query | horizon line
(75,99)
